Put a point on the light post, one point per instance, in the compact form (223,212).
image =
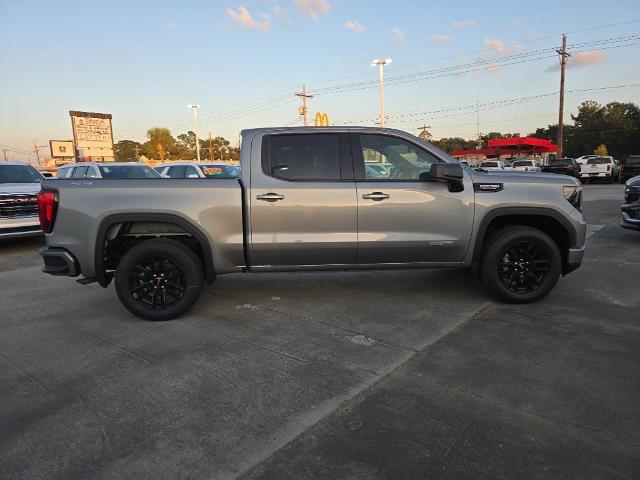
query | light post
(195,127)
(380,64)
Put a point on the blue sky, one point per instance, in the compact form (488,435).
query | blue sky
(144,61)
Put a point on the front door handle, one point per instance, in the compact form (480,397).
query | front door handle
(377,196)
(270,197)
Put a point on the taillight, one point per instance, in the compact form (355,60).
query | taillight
(609,168)
(47,206)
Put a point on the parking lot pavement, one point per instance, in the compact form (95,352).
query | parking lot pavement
(334,375)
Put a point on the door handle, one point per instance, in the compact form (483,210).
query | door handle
(376,196)
(270,197)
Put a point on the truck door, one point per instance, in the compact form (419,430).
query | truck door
(303,207)
(402,219)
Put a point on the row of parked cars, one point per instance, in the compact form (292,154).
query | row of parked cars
(20,184)
(586,168)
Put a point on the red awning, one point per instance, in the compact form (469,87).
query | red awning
(511,146)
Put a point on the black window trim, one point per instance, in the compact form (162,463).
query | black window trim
(359,163)
(344,161)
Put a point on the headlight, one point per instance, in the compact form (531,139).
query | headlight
(573,194)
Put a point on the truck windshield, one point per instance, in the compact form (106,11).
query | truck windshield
(19,174)
(220,171)
(128,171)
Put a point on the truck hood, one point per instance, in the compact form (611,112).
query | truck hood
(523,177)
(10,188)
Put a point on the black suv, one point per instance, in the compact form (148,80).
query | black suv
(563,166)
(629,167)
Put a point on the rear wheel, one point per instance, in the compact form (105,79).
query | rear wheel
(520,264)
(159,279)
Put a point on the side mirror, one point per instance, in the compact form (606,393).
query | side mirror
(444,172)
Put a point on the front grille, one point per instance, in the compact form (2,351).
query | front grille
(18,205)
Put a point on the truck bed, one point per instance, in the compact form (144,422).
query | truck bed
(214,207)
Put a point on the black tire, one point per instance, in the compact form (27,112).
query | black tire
(520,264)
(159,279)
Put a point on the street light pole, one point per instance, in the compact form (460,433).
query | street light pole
(380,64)
(195,127)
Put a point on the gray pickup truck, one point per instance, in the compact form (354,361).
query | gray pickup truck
(326,198)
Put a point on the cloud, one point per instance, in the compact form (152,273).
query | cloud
(459,24)
(441,38)
(498,46)
(243,17)
(312,8)
(581,59)
(397,33)
(354,26)
(282,17)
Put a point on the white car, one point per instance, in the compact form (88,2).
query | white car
(526,166)
(583,159)
(599,167)
(198,170)
(106,170)
(19,187)
(492,165)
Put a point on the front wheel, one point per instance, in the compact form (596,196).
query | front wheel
(520,264)
(159,279)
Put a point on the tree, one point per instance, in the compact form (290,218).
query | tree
(454,143)
(601,150)
(125,150)
(161,141)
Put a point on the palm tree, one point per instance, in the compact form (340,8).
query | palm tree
(161,140)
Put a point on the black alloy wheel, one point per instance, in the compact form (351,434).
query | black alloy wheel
(156,282)
(523,267)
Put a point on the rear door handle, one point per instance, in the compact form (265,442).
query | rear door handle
(270,197)
(377,196)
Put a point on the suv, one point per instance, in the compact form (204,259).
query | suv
(525,166)
(629,168)
(491,165)
(305,200)
(19,187)
(198,170)
(106,170)
(630,210)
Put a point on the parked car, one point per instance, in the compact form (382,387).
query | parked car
(19,187)
(305,201)
(491,165)
(583,159)
(599,168)
(106,170)
(629,168)
(198,170)
(630,210)
(525,166)
(563,166)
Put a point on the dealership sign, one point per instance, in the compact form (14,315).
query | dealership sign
(92,135)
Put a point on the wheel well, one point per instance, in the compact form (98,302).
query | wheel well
(547,224)
(120,237)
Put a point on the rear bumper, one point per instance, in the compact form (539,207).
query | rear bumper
(58,261)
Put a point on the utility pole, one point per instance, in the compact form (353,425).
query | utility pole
(210,149)
(303,108)
(36,149)
(478,123)
(195,108)
(424,134)
(563,63)
(380,64)
(4,151)
(136,149)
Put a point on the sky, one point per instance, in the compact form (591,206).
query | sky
(242,62)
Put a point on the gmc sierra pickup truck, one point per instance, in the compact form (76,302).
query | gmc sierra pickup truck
(308,199)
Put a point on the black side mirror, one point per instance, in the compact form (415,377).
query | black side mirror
(443,172)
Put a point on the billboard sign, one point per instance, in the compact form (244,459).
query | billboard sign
(92,135)
(61,148)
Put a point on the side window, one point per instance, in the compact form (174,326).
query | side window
(391,158)
(79,172)
(63,172)
(191,171)
(177,171)
(92,172)
(303,157)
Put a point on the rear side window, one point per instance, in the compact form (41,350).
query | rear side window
(179,171)
(79,172)
(525,163)
(63,172)
(302,157)
(489,164)
(598,161)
